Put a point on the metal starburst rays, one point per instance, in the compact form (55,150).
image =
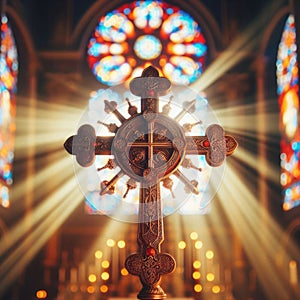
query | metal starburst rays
(149,147)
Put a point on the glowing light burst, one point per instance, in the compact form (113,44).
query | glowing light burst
(45,221)
(246,215)
(42,134)
(257,123)
(51,191)
(147,47)
(147,32)
(124,208)
(264,242)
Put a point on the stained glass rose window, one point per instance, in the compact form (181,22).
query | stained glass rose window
(137,34)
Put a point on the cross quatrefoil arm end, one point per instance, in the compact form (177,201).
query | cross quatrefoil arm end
(218,148)
(82,145)
(150,268)
(215,145)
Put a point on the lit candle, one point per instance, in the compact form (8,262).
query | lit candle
(227,275)
(62,275)
(180,257)
(73,275)
(121,252)
(81,272)
(91,269)
(209,260)
(216,269)
(293,272)
(97,266)
(228,284)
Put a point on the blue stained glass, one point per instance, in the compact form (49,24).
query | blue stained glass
(115,27)
(296,146)
(181,27)
(182,70)
(170,11)
(96,49)
(112,69)
(127,11)
(8,85)
(148,13)
(200,49)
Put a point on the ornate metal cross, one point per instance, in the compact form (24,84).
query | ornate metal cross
(148,147)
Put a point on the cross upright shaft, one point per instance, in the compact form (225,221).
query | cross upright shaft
(149,264)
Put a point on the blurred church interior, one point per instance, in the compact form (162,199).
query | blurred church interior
(239,238)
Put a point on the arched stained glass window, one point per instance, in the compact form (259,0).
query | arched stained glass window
(287,89)
(8,84)
(136,34)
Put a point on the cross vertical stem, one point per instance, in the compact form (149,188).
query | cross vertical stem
(149,237)
(150,230)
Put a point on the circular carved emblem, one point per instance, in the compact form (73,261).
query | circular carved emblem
(149,149)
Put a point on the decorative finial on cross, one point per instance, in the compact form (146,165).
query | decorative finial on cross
(148,147)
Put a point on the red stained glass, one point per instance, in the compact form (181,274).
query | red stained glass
(287,82)
(8,83)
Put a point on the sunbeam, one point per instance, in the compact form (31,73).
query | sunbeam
(45,134)
(53,122)
(238,49)
(260,235)
(267,168)
(24,242)
(246,118)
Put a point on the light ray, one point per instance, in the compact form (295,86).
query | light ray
(35,216)
(41,132)
(259,234)
(178,235)
(49,128)
(19,257)
(54,172)
(267,169)
(239,49)
(245,121)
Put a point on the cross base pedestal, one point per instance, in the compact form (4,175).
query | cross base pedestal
(150,292)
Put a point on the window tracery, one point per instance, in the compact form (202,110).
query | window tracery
(128,39)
